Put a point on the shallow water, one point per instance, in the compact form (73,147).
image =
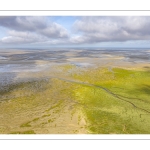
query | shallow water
(74,91)
(13,62)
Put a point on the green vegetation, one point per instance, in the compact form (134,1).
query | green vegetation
(117,101)
(25,125)
(112,101)
(24,132)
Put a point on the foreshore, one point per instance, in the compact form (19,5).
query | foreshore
(82,95)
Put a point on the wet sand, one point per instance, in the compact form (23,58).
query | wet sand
(14,62)
(38,104)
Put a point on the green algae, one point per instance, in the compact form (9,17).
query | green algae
(108,112)
(111,102)
(24,132)
(27,124)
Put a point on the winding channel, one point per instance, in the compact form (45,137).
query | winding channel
(106,90)
(120,97)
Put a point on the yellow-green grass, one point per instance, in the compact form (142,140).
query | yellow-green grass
(99,100)
(45,110)
(117,101)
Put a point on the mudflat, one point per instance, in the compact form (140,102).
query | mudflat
(75,92)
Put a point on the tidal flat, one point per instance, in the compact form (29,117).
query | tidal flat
(75,92)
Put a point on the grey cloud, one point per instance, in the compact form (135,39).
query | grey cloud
(55,30)
(87,30)
(21,38)
(15,40)
(23,23)
(18,37)
(39,25)
(109,29)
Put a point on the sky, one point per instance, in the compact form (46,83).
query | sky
(74,31)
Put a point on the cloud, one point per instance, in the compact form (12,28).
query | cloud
(54,30)
(23,23)
(87,30)
(111,29)
(16,37)
(31,30)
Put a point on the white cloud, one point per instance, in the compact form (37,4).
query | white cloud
(54,31)
(23,23)
(112,29)
(88,30)
(31,30)
(22,38)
